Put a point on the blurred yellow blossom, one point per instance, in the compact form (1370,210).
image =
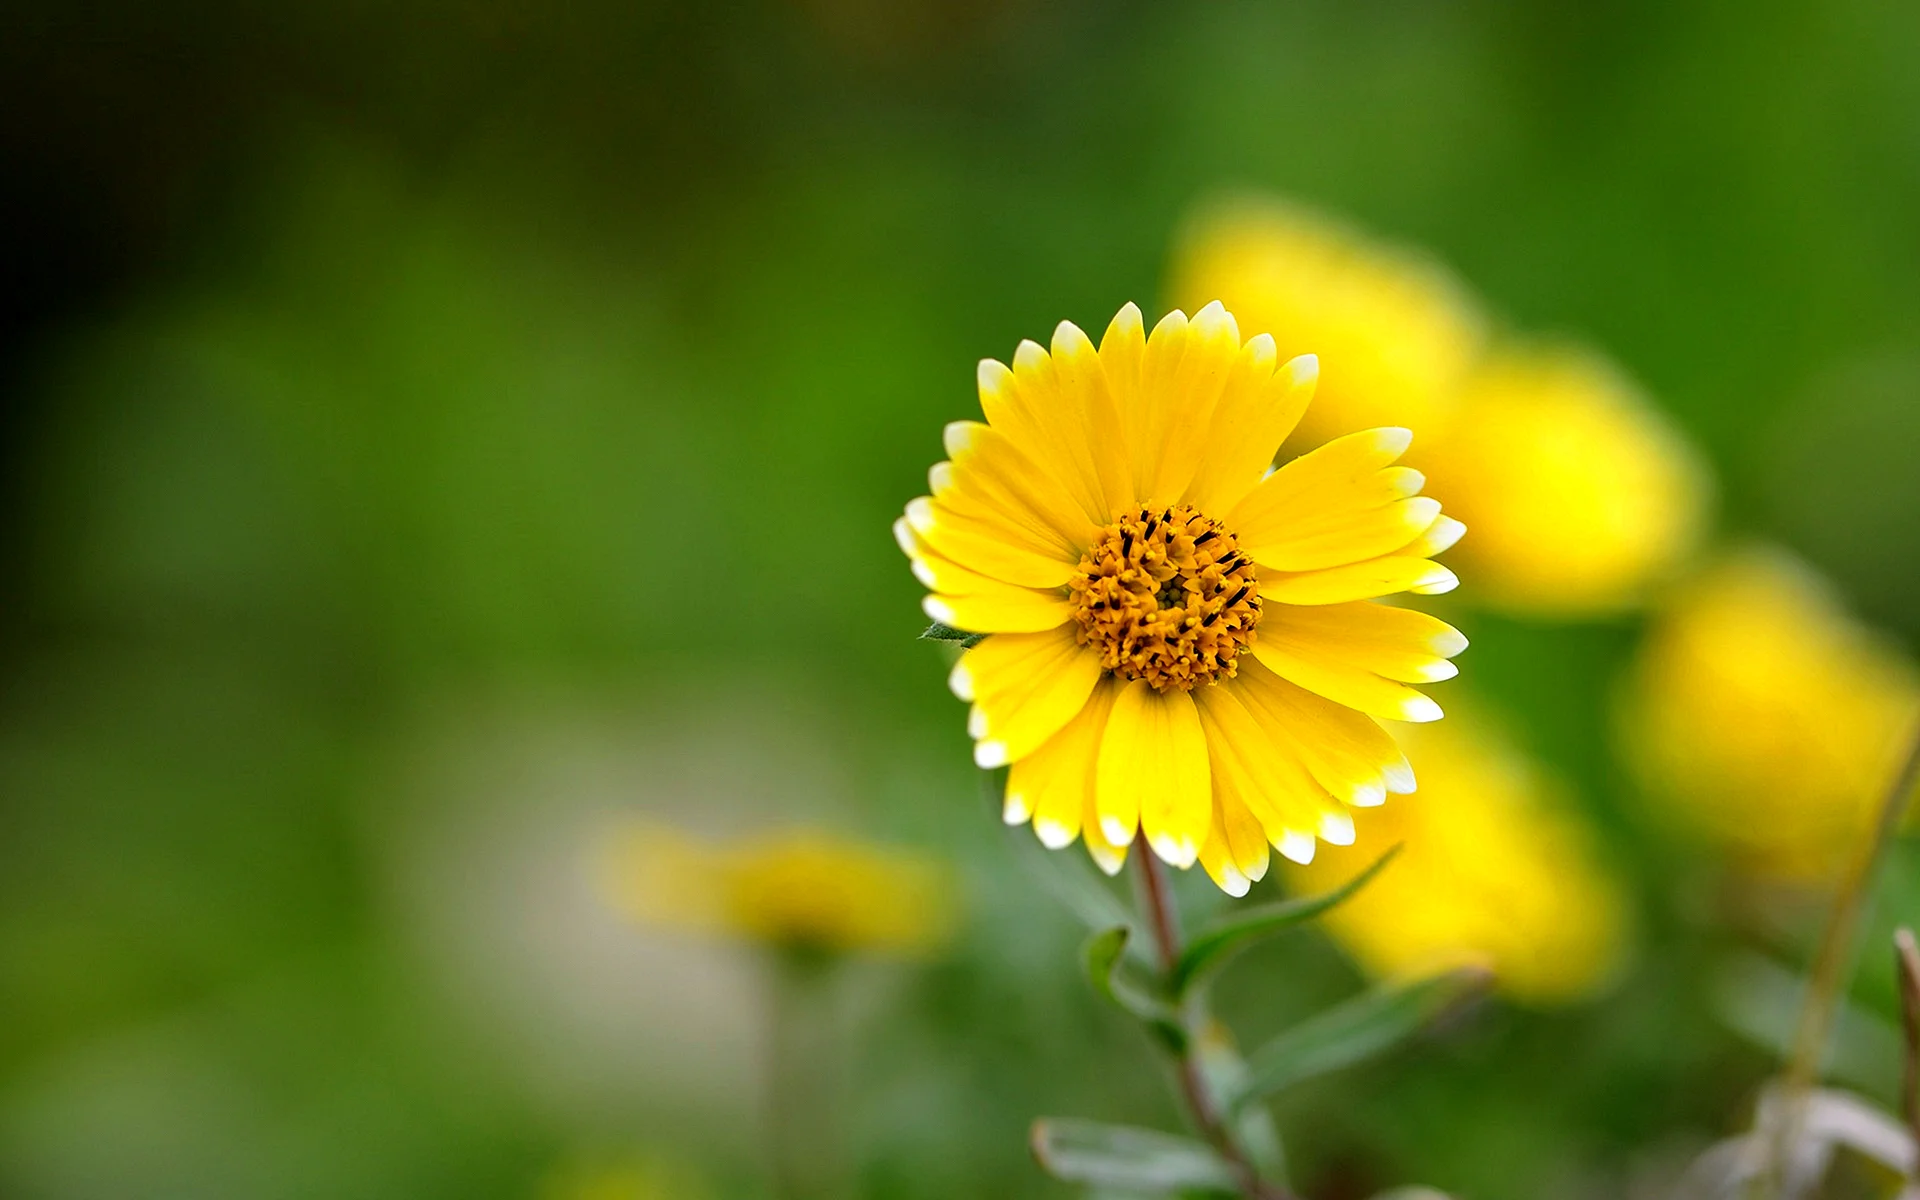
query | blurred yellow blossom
(800,889)
(1492,871)
(1578,492)
(1395,332)
(636,1177)
(1763,716)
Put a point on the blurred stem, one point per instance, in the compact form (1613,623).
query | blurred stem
(1906,972)
(1164,919)
(802,1138)
(1831,967)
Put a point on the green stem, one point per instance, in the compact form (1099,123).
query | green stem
(801,1119)
(1202,1107)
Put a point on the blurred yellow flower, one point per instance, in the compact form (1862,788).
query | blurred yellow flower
(1492,871)
(1395,332)
(1764,717)
(639,1177)
(1182,644)
(1579,494)
(803,890)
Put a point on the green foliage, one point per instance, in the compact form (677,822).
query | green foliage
(1115,977)
(1214,946)
(1362,1028)
(937,632)
(1121,1156)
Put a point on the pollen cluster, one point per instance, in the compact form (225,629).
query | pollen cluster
(1166,596)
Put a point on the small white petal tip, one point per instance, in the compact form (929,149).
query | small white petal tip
(1367,795)
(1116,833)
(939,610)
(1435,672)
(1399,777)
(1393,439)
(1232,882)
(1304,368)
(1295,847)
(1015,810)
(960,681)
(1420,710)
(1443,533)
(1052,834)
(1175,852)
(1106,857)
(956,437)
(1436,581)
(991,375)
(989,754)
(903,534)
(1336,829)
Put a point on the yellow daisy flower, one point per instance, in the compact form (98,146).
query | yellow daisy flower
(1182,643)
(1766,718)
(1492,871)
(1580,493)
(801,889)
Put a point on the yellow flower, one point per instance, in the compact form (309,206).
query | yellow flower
(1578,492)
(1183,644)
(1491,871)
(803,889)
(1396,331)
(638,1177)
(1765,718)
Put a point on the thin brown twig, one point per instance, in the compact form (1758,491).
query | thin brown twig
(1157,899)
(1906,969)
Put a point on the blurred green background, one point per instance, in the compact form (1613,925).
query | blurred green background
(431,431)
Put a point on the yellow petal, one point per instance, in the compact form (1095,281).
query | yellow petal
(1024,688)
(1398,643)
(1323,673)
(1339,504)
(1153,770)
(1003,609)
(1358,581)
(1254,768)
(1186,368)
(1055,784)
(982,550)
(1084,389)
(983,454)
(969,500)
(1346,751)
(1123,350)
(1024,403)
(1257,410)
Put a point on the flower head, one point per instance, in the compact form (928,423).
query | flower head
(1491,871)
(1764,717)
(1581,495)
(802,890)
(1182,643)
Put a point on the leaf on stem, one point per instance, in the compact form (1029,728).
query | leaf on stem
(1211,949)
(1122,1156)
(1113,976)
(1362,1028)
(937,632)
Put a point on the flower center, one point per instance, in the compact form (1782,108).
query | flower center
(1166,597)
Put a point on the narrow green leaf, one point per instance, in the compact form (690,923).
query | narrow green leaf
(1362,1028)
(1121,1156)
(937,632)
(1220,941)
(1104,957)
